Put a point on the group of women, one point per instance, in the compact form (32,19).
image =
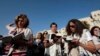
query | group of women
(80,40)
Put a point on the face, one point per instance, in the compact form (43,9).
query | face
(96,31)
(39,35)
(45,34)
(21,23)
(54,28)
(72,26)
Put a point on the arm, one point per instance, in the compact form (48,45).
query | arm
(96,42)
(10,26)
(30,41)
(28,36)
(86,42)
(89,46)
(46,43)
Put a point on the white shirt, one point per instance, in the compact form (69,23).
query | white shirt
(54,47)
(96,41)
(27,32)
(50,33)
(86,36)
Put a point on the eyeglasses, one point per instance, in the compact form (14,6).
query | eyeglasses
(72,26)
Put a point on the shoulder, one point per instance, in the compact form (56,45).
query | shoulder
(94,38)
(49,31)
(85,30)
(28,29)
(87,34)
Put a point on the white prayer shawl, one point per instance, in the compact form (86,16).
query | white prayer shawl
(86,36)
(54,47)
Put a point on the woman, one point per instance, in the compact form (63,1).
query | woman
(38,45)
(45,35)
(20,26)
(80,39)
(95,32)
(46,43)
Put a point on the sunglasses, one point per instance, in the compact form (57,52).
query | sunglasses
(72,26)
(45,33)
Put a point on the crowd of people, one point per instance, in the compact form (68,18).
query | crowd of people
(80,40)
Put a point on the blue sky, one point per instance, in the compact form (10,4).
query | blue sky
(42,12)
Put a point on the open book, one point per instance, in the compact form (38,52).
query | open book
(19,39)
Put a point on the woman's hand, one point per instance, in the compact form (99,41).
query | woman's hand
(75,41)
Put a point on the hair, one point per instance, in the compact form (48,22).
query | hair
(41,36)
(92,29)
(45,32)
(25,18)
(53,23)
(78,29)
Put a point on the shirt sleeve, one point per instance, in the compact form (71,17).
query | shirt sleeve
(95,40)
(88,36)
(9,27)
(28,34)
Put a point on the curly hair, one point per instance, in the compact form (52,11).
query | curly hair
(92,29)
(24,17)
(78,29)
